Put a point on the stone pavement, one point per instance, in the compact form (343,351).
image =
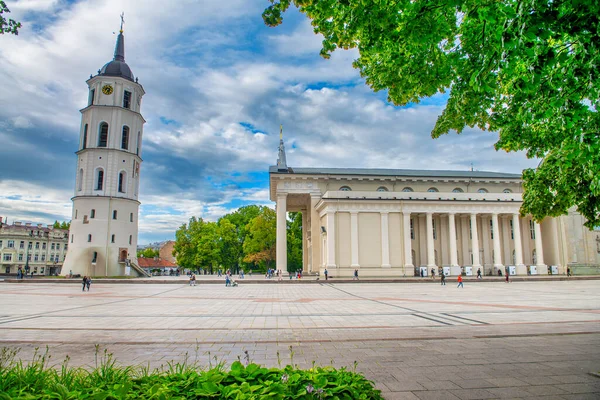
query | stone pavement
(415,341)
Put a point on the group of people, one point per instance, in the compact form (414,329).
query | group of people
(23,274)
(87,281)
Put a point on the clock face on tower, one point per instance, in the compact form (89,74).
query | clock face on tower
(107,89)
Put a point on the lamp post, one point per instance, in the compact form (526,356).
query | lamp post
(27,254)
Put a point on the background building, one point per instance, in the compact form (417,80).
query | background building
(104,226)
(35,248)
(407,222)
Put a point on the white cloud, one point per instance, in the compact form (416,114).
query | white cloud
(207,67)
(22,122)
(23,201)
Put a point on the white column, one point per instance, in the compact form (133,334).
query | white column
(331,239)
(281,246)
(315,234)
(539,251)
(304,241)
(452,239)
(475,242)
(497,251)
(518,244)
(408,265)
(385,241)
(430,250)
(354,238)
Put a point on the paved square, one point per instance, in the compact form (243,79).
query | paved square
(415,340)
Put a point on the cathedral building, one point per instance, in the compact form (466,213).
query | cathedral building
(400,222)
(104,227)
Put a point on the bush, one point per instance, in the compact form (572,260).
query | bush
(107,380)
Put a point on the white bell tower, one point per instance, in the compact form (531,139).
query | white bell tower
(104,225)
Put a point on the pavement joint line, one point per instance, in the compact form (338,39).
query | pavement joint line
(300,341)
(37,315)
(418,315)
(467,319)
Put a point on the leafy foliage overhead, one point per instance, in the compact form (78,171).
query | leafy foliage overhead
(527,69)
(7,25)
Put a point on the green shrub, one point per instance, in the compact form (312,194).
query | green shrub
(107,380)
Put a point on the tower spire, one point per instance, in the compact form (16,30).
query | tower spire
(281,162)
(120,47)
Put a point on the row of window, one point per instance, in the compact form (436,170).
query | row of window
(36,257)
(93,215)
(99,183)
(10,244)
(126,98)
(112,238)
(103,137)
(431,189)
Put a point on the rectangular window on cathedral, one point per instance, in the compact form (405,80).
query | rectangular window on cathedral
(127,99)
(91,99)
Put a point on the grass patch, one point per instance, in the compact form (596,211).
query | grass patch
(38,379)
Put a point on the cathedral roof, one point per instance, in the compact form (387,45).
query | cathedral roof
(422,173)
(118,66)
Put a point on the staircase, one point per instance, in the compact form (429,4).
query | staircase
(139,269)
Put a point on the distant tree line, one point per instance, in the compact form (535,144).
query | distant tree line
(148,252)
(241,240)
(62,225)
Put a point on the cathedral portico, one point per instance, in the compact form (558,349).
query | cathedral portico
(397,222)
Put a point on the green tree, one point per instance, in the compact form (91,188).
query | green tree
(208,247)
(230,246)
(527,69)
(259,246)
(7,25)
(240,219)
(294,241)
(148,253)
(186,242)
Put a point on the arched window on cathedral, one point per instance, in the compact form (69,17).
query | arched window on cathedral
(122,182)
(432,190)
(84,142)
(99,179)
(103,135)
(457,190)
(507,191)
(482,190)
(382,189)
(80,183)
(407,189)
(345,189)
(125,138)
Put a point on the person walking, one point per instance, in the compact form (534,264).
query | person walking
(326,274)
(88,283)
(460,282)
(478,273)
(227,281)
(84,283)
(432,274)
(355,275)
(443,278)
(507,277)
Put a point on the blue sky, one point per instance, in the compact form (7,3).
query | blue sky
(218,85)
